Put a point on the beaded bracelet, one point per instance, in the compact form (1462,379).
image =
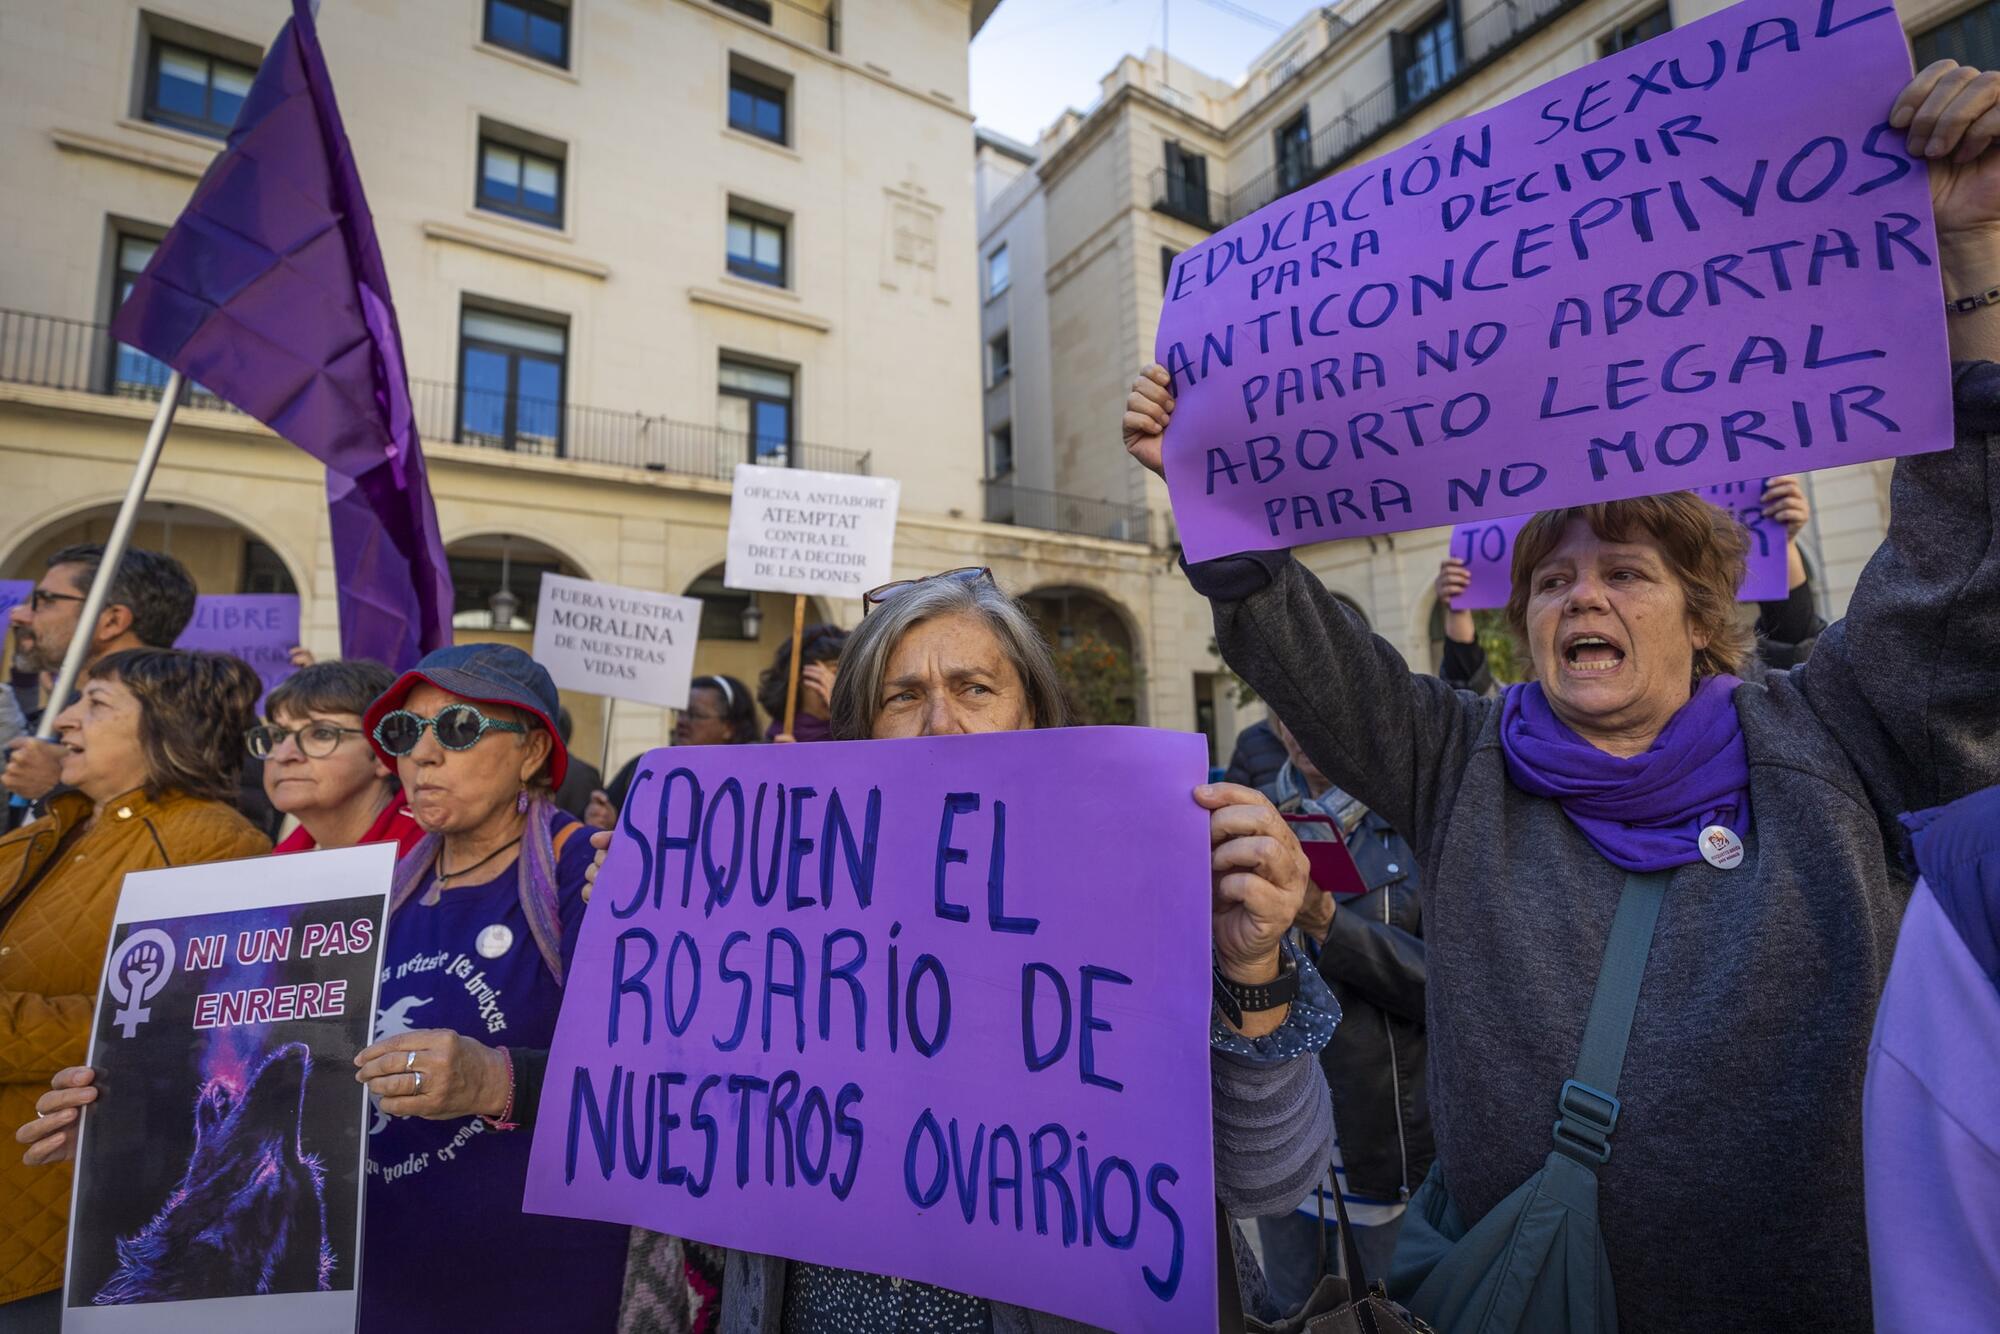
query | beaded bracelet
(505,1120)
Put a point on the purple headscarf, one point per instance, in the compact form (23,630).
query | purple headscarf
(1644,813)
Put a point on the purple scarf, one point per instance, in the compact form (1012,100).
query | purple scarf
(1642,813)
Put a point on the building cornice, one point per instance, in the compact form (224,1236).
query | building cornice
(503,245)
(709,296)
(93,145)
(833,58)
(1099,121)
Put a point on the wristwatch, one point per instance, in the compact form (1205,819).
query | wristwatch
(1235,999)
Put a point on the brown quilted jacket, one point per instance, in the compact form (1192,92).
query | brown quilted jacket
(53,931)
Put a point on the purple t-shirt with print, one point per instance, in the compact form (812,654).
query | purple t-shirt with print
(447,1246)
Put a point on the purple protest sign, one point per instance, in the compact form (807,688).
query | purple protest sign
(13,592)
(1679,265)
(965,1040)
(1487,548)
(260,628)
(1768,574)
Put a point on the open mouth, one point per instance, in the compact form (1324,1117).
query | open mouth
(1591,655)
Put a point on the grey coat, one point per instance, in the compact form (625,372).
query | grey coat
(1273,1143)
(1733,1196)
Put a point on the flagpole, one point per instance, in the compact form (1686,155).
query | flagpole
(107,565)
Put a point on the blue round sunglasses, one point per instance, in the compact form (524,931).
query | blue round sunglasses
(458,727)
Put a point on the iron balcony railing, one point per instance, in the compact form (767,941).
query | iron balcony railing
(1055,512)
(55,353)
(1482,38)
(1179,195)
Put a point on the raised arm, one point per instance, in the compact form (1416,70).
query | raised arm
(1909,680)
(1463,665)
(1394,738)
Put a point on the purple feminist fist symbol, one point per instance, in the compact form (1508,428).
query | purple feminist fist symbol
(138,970)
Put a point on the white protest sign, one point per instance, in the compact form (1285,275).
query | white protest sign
(624,642)
(816,533)
(218,1179)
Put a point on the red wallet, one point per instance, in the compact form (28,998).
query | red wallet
(1333,868)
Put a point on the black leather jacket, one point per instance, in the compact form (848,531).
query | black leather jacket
(1373,958)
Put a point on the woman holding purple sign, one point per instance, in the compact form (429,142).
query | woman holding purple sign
(1786,627)
(953,654)
(1721,1146)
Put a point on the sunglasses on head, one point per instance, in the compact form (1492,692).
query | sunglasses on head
(966,574)
(458,727)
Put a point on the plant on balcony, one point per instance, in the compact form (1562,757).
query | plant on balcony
(1490,630)
(1102,681)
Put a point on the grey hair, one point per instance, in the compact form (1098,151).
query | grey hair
(857,689)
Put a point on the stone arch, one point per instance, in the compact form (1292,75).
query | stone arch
(485,563)
(224,549)
(1072,615)
(478,560)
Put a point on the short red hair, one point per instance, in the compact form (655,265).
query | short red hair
(1706,550)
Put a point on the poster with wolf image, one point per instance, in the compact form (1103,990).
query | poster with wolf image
(218,1174)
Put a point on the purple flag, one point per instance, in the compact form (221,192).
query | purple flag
(270,292)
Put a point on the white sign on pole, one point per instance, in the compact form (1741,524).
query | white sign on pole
(818,533)
(250,984)
(623,642)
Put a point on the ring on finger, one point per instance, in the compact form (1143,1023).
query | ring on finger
(417,1075)
(409,1060)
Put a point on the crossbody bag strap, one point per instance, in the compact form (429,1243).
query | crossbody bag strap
(1588,1104)
(1350,1248)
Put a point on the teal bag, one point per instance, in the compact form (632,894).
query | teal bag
(1535,1264)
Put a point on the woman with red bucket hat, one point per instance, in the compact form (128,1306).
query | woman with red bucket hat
(483,916)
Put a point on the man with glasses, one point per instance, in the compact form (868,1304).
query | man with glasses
(150,602)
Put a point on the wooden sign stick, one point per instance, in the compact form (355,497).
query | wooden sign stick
(798,650)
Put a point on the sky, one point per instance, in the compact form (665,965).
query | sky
(1036,57)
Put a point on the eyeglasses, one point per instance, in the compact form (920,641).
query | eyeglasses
(458,726)
(42,597)
(316,740)
(967,574)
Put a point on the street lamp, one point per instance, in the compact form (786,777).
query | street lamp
(753,618)
(503,604)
